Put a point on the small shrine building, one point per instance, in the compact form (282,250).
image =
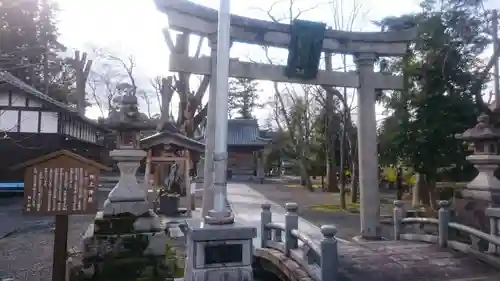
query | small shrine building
(166,147)
(245,146)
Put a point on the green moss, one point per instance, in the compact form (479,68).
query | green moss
(173,262)
(133,265)
(353,208)
(136,244)
(315,186)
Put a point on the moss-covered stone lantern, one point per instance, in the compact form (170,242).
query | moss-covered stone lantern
(484,139)
(126,239)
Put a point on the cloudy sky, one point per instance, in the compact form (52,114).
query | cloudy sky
(134,26)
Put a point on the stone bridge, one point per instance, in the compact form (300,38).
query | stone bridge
(290,255)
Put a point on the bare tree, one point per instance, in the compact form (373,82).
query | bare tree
(82,67)
(190,112)
(344,20)
(148,98)
(157,85)
(127,66)
(293,114)
(113,77)
(105,87)
(300,107)
(93,88)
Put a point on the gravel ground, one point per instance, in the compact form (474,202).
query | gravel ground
(26,242)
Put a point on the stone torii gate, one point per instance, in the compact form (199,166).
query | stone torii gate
(187,17)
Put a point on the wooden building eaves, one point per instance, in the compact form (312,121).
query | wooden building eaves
(15,82)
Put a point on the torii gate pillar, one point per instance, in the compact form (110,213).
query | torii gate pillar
(367,149)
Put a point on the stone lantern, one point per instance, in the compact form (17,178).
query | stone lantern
(482,194)
(128,125)
(126,228)
(484,139)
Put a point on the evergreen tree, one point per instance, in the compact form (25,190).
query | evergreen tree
(243,97)
(438,103)
(28,33)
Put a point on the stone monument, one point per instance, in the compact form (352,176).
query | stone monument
(126,236)
(481,204)
(218,248)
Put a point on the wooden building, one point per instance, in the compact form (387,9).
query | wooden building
(33,124)
(245,146)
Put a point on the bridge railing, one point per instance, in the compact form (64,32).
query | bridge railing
(443,237)
(321,263)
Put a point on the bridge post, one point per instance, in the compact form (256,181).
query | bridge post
(444,219)
(329,254)
(291,223)
(398,215)
(265,218)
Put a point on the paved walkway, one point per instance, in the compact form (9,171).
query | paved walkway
(246,204)
(413,261)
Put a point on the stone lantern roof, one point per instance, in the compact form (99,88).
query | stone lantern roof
(481,132)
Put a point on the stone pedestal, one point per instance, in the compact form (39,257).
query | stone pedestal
(126,239)
(219,252)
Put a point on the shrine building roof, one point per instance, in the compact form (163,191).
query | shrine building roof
(244,132)
(55,155)
(170,134)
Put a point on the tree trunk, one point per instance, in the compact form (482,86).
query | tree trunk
(304,175)
(344,149)
(415,202)
(354,182)
(354,175)
(353,149)
(331,174)
(428,194)
(427,188)
(331,171)
(342,176)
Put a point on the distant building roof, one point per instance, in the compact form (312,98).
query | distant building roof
(244,132)
(10,79)
(171,134)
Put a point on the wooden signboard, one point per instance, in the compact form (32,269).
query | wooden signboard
(60,184)
(60,188)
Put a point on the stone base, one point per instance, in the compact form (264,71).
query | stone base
(219,252)
(125,247)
